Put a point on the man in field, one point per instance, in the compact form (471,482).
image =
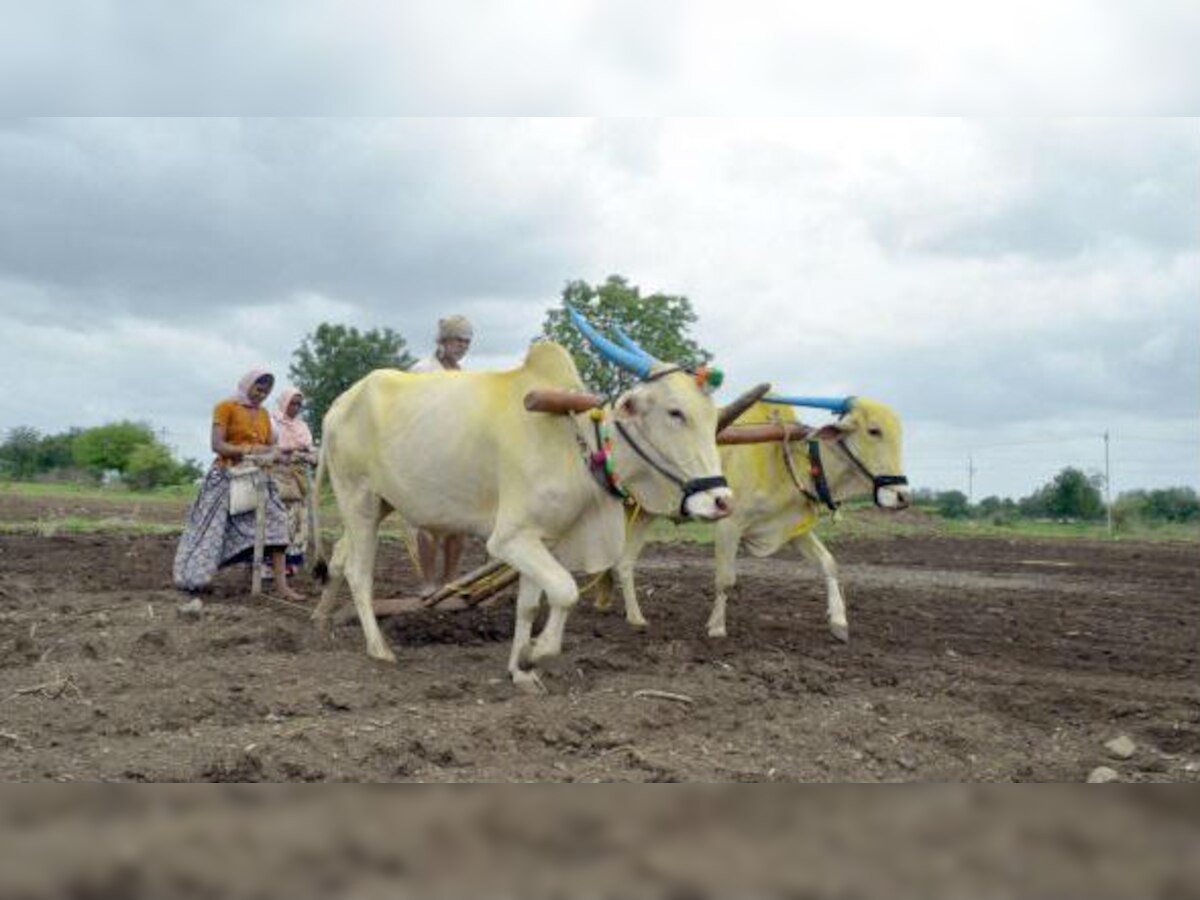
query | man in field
(454,336)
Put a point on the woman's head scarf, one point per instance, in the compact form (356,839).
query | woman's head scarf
(292,430)
(243,389)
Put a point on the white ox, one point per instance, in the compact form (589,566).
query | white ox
(457,452)
(780,495)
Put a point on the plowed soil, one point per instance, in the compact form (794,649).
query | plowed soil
(970,660)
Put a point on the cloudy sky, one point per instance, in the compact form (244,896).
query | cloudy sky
(1014,287)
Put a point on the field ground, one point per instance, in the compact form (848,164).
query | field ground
(975,660)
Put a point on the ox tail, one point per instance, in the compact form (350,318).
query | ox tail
(321,565)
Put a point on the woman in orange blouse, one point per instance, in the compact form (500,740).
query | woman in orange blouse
(213,537)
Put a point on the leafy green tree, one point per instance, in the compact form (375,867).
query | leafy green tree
(110,447)
(1177,504)
(150,466)
(56,452)
(19,453)
(953,505)
(1071,495)
(332,358)
(659,323)
(1130,508)
(1000,510)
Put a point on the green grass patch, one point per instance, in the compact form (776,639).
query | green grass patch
(1097,531)
(113,492)
(78,525)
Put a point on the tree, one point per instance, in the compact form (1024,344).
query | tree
(1071,495)
(56,452)
(953,505)
(998,509)
(659,323)
(332,358)
(1177,504)
(19,453)
(110,447)
(150,466)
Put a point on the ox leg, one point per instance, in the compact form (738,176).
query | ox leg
(529,596)
(635,542)
(725,575)
(361,513)
(331,596)
(814,550)
(529,556)
(604,592)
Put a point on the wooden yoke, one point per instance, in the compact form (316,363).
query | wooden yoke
(551,400)
(761,434)
(730,411)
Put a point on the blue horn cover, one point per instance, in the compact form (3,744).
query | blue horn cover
(840,405)
(632,345)
(618,355)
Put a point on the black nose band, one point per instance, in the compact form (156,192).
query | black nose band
(699,486)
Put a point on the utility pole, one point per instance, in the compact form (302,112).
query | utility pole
(970,479)
(1108,486)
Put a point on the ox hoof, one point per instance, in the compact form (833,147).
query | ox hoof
(544,654)
(383,654)
(638,622)
(841,632)
(528,682)
(718,633)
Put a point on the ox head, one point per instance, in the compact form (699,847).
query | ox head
(870,435)
(666,428)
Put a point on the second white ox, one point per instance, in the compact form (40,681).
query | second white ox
(781,489)
(457,452)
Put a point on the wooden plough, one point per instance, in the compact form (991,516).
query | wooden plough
(481,586)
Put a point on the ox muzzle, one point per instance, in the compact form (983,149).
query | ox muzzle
(688,488)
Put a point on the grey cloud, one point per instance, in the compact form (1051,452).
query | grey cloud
(1069,197)
(117,216)
(1089,369)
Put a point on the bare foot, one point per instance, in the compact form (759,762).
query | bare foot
(288,594)
(428,590)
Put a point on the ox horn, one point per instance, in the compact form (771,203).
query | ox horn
(839,405)
(612,352)
(633,346)
(730,411)
(552,400)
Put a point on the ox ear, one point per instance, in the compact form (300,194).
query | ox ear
(835,430)
(731,411)
(629,407)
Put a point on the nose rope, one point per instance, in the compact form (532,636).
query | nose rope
(689,488)
(878,482)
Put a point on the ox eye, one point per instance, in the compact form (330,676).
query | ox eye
(677,415)
(875,432)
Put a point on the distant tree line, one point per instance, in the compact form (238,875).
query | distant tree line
(128,450)
(1072,495)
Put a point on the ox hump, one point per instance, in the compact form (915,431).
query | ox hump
(550,364)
